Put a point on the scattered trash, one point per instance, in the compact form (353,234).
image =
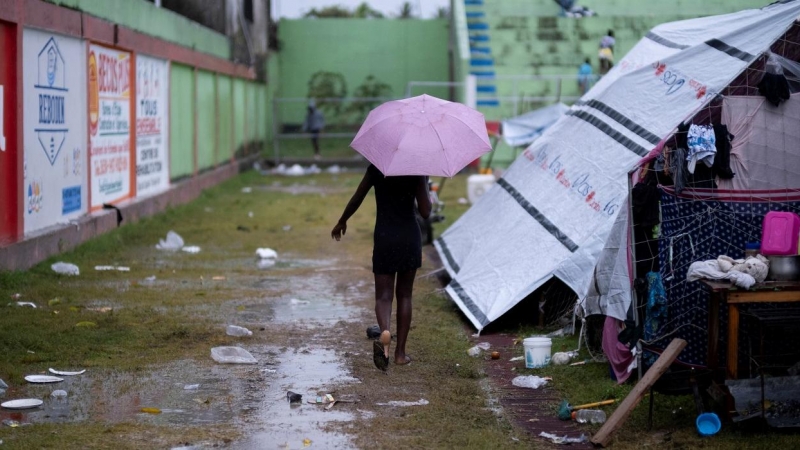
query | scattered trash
(23,403)
(517,358)
(65,268)
(373,332)
(59,393)
(266,253)
(29,304)
(100,309)
(86,324)
(151,410)
(565,410)
(191,249)
(16,296)
(476,350)
(495,355)
(269,371)
(295,171)
(232,355)
(334,169)
(265,263)
(306,442)
(462,201)
(420,402)
(3,386)
(295,301)
(530,381)
(562,332)
(247,190)
(595,416)
(118,268)
(54,301)
(234,330)
(42,379)
(191,387)
(174,241)
(287,227)
(555,439)
(10,423)
(150,279)
(219,278)
(562,358)
(250,214)
(294,397)
(64,373)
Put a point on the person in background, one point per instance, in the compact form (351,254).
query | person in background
(584,76)
(313,124)
(606,53)
(396,251)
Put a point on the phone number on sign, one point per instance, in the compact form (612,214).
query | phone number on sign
(110,165)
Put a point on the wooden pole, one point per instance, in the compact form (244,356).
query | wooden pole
(620,415)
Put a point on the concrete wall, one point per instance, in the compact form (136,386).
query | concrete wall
(394,51)
(143,16)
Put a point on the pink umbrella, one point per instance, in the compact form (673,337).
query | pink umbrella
(422,135)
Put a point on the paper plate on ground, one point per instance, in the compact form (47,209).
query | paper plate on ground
(23,403)
(65,373)
(42,379)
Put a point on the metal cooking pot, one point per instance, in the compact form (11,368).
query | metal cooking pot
(784,268)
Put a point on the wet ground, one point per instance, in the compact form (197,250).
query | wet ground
(296,352)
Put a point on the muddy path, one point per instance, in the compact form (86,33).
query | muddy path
(308,311)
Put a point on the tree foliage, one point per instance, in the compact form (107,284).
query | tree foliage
(364,11)
(406,11)
(329,88)
(329,12)
(372,87)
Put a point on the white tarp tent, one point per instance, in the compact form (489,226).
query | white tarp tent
(524,129)
(552,212)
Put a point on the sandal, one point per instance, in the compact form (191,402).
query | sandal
(378,357)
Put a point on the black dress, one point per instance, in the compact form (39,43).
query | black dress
(397,243)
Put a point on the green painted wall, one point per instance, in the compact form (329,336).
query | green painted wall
(181,121)
(238,113)
(143,16)
(207,117)
(224,117)
(394,51)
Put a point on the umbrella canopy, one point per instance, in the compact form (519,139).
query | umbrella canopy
(422,135)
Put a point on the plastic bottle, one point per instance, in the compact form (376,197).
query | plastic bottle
(234,330)
(589,416)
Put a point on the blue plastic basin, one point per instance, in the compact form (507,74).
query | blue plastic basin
(708,424)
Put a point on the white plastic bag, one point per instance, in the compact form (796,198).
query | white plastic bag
(234,330)
(232,355)
(266,253)
(173,242)
(476,350)
(529,381)
(65,268)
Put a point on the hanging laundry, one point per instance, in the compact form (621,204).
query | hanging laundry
(677,170)
(702,146)
(774,86)
(722,162)
(656,308)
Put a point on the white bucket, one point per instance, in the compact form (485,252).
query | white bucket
(537,351)
(477,185)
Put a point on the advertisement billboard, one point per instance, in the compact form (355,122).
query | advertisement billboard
(110,161)
(152,126)
(54,110)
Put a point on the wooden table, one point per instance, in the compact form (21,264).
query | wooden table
(722,291)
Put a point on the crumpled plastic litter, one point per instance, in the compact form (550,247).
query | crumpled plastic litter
(119,268)
(476,350)
(529,381)
(266,253)
(235,330)
(174,241)
(191,387)
(232,355)
(555,439)
(65,268)
(265,263)
(59,393)
(28,304)
(191,249)
(420,402)
(3,387)
(247,190)
(295,171)
(562,358)
(295,301)
(334,169)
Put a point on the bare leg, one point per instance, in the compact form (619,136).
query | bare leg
(405,285)
(384,287)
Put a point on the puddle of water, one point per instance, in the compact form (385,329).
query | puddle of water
(280,425)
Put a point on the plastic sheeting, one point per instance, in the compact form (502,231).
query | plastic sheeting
(552,212)
(524,129)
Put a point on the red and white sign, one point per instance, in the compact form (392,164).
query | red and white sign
(109,125)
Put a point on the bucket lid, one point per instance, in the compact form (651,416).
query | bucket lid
(535,339)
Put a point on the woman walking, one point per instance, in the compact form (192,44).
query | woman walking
(396,253)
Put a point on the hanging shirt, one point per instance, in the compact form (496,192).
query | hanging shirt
(702,146)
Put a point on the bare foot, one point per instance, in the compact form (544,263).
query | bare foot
(386,339)
(402,361)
